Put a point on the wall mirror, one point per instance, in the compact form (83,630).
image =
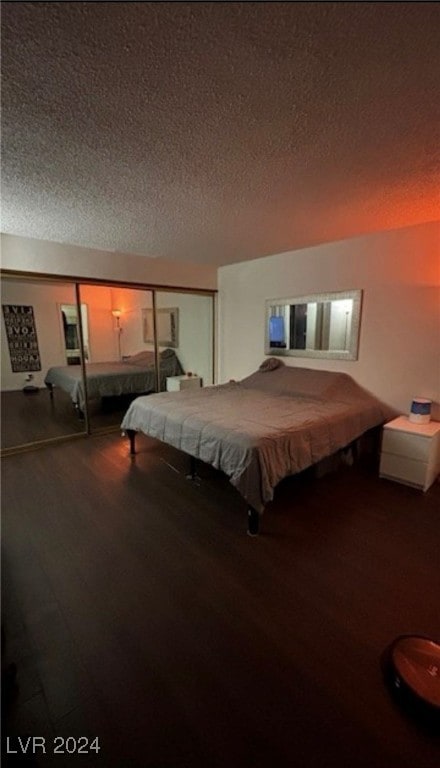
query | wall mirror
(320,325)
(70,325)
(167,326)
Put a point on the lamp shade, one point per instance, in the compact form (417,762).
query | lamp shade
(420,412)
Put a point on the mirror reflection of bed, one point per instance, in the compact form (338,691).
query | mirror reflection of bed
(112,385)
(117,333)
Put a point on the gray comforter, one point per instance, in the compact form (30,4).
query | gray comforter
(264,428)
(110,379)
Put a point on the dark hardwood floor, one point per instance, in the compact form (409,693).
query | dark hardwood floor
(137,610)
(33,417)
(29,418)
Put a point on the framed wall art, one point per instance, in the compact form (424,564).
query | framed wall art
(22,337)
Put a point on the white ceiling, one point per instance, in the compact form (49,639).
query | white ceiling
(218,132)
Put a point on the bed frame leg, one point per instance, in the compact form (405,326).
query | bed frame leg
(50,388)
(355,451)
(131,433)
(192,469)
(79,412)
(253,522)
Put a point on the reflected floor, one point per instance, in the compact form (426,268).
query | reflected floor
(26,418)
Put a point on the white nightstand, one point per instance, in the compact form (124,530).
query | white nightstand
(176,383)
(410,452)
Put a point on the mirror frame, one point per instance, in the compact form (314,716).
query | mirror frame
(336,354)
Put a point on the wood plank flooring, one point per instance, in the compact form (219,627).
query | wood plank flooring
(35,417)
(137,610)
(29,418)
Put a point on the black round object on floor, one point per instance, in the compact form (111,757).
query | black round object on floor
(30,389)
(411,665)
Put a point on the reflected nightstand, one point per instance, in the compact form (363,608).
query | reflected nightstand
(177,383)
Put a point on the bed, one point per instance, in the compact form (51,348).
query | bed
(272,424)
(135,375)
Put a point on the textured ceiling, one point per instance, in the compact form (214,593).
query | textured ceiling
(217,132)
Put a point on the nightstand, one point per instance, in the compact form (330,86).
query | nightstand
(410,452)
(177,383)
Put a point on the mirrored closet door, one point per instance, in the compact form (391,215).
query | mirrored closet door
(39,334)
(74,356)
(122,362)
(185,327)
(119,362)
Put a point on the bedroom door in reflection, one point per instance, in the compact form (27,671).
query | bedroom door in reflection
(121,363)
(32,347)
(185,335)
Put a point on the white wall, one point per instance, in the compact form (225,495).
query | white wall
(27,255)
(131,303)
(399,272)
(102,335)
